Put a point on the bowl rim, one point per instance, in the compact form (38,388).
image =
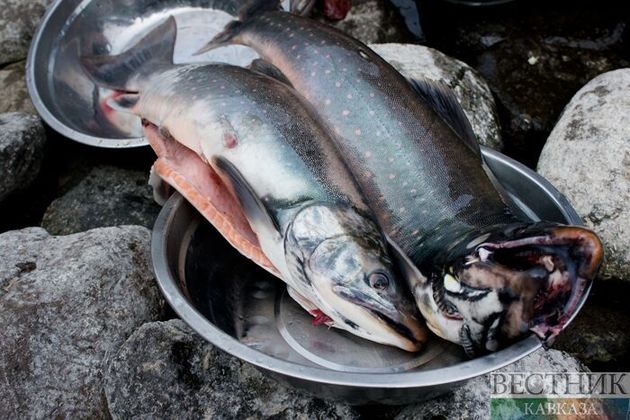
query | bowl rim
(40,106)
(413,379)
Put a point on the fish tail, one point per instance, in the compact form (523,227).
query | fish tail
(229,35)
(120,72)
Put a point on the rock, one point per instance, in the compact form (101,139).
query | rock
(371,21)
(14,92)
(471,90)
(22,139)
(166,370)
(533,58)
(106,196)
(18,20)
(599,336)
(472,401)
(66,305)
(587,157)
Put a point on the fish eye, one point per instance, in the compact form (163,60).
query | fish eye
(378,280)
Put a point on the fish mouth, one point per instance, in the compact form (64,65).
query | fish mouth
(399,322)
(559,262)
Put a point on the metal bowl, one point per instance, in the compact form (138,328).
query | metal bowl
(63,94)
(245,311)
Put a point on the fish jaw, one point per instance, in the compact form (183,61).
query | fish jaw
(181,168)
(529,278)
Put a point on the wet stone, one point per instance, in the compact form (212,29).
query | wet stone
(22,139)
(106,196)
(471,91)
(14,96)
(167,370)
(18,20)
(587,157)
(535,55)
(600,334)
(66,305)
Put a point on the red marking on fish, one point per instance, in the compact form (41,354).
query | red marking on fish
(229,140)
(320,318)
(336,9)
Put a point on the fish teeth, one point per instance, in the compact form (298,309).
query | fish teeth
(451,284)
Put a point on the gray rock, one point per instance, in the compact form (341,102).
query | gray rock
(472,401)
(18,20)
(600,334)
(165,370)
(587,157)
(14,92)
(66,305)
(471,90)
(22,139)
(106,196)
(371,21)
(535,59)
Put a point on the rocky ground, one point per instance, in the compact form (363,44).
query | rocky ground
(85,332)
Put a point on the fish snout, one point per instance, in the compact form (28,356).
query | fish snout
(400,319)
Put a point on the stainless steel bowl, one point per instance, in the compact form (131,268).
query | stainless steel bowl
(245,311)
(63,94)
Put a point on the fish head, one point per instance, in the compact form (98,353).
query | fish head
(502,285)
(344,259)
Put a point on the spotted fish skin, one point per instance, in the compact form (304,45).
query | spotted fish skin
(253,158)
(425,184)
(481,276)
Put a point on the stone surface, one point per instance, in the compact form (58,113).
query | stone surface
(472,401)
(66,305)
(600,334)
(22,140)
(471,90)
(13,87)
(106,196)
(166,370)
(371,21)
(587,157)
(534,55)
(18,20)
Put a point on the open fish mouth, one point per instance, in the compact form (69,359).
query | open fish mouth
(535,281)
(563,261)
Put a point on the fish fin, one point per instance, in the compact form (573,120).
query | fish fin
(229,35)
(252,205)
(261,66)
(441,98)
(116,71)
(125,102)
(408,269)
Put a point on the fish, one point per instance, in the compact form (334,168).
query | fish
(249,154)
(482,275)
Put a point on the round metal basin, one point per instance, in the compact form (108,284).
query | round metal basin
(245,311)
(65,96)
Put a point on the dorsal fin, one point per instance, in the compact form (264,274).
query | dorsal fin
(261,66)
(441,98)
(252,205)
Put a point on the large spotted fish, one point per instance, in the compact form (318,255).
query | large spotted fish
(246,152)
(484,276)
